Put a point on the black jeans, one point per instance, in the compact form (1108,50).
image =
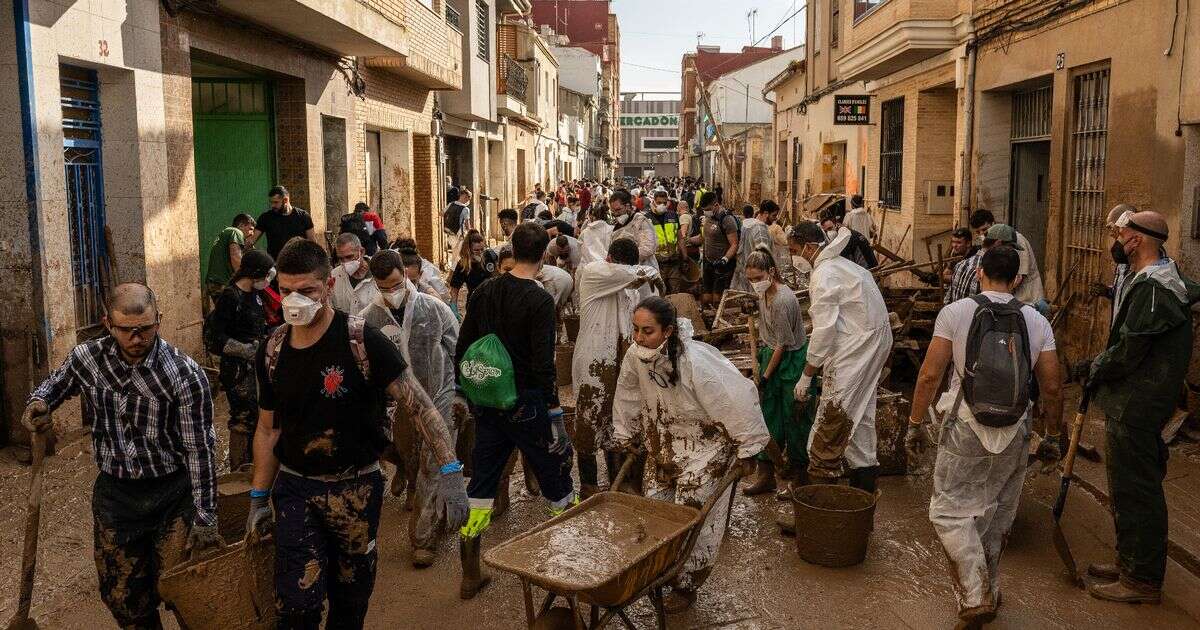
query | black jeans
(140,528)
(1136,466)
(527,428)
(325,548)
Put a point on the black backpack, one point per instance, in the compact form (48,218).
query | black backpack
(353,223)
(529,212)
(998,377)
(452,217)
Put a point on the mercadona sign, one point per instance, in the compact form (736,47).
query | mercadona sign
(650,121)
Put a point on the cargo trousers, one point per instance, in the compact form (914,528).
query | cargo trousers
(525,427)
(1136,466)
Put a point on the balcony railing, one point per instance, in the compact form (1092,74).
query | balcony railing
(453,18)
(512,79)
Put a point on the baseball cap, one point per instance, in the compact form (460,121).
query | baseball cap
(1005,234)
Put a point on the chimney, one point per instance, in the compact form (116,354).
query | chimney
(777,42)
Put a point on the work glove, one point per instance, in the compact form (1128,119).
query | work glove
(36,418)
(1080,371)
(801,392)
(452,499)
(1099,289)
(260,521)
(560,442)
(1050,449)
(917,443)
(202,538)
(239,350)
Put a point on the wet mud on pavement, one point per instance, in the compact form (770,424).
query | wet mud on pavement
(759,580)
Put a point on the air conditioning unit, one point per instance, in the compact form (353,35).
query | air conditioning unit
(939,197)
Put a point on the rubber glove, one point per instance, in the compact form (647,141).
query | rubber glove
(203,538)
(478,521)
(452,497)
(37,416)
(560,442)
(1050,449)
(240,350)
(801,392)
(460,411)
(1080,372)
(260,521)
(917,443)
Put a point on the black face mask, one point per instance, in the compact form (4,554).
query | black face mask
(1118,253)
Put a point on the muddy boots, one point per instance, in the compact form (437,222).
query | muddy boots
(239,449)
(588,472)
(473,578)
(864,478)
(1126,591)
(763,481)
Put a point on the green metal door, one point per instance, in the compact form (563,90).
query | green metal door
(234,150)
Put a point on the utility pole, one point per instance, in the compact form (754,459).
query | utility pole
(725,149)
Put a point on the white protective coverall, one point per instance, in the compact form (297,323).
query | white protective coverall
(850,341)
(605,319)
(352,299)
(594,239)
(754,233)
(426,339)
(692,430)
(431,277)
(558,283)
(641,231)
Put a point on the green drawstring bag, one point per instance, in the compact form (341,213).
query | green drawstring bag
(487,374)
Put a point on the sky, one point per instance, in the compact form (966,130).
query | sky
(656,33)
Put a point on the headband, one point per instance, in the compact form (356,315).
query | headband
(1145,230)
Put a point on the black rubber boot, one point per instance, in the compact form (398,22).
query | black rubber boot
(864,478)
(473,578)
(763,481)
(588,470)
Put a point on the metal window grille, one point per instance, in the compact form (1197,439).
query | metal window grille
(453,18)
(230,96)
(483,25)
(1089,135)
(1031,115)
(835,19)
(80,100)
(891,152)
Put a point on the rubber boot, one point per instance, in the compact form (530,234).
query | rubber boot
(764,479)
(612,464)
(500,504)
(473,578)
(588,471)
(239,450)
(423,558)
(864,478)
(1104,572)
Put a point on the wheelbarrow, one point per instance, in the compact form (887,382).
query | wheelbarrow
(608,552)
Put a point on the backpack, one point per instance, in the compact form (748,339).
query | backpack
(487,376)
(997,379)
(354,324)
(353,223)
(529,212)
(209,332)
(452,218)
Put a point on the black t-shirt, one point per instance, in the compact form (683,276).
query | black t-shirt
(521,314)
(477,274)
(331,419)
(280,228)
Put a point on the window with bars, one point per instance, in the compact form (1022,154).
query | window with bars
(80,101)
(453,18)
(1086,212)
(834,21)
(483,39)
(891,152)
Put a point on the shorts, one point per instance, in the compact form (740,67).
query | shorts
(713,281)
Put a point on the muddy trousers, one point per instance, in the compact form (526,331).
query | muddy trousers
(1136,466)
(425,521)
(974,502)
(325,548)
(140,527)
(527,428)
(698,566)
(241,389)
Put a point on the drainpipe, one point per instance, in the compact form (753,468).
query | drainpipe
(41,332)
(964,188)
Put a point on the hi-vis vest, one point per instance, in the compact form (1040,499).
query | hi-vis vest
(667,236)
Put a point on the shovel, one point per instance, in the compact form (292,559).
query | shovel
(1060,539)
(33,519)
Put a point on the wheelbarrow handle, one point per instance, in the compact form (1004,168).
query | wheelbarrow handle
(623,471)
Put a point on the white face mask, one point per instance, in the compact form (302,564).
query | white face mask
(259,285)
(709,213)
(761,286)
(646,355)
(299,310)
(660,208)
(351,267)
(395,299)
(623,219)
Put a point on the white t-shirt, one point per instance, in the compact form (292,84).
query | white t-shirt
(1031,289)
(954,324)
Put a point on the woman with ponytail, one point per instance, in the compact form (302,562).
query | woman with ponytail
(693,412)
(781,364)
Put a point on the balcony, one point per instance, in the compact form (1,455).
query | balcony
(348,28)
(888,35)
(434,55)
(512,84)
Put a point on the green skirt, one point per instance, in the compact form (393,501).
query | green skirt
(788,422)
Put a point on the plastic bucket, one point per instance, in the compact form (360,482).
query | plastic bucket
(833,524)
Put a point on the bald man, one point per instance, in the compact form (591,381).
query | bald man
(150,410)
(1120,270)
(1137,382)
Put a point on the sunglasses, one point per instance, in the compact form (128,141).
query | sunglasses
(137,331)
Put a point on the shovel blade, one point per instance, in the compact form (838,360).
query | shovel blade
(21,622)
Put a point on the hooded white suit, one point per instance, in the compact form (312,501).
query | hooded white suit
(754,233)
(692,431)
(426,338)
(851,340)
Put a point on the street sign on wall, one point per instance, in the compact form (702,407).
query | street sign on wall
(851,109)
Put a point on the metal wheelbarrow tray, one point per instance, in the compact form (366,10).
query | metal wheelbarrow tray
(603,551)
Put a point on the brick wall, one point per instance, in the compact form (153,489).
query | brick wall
(291,140)
(428,238)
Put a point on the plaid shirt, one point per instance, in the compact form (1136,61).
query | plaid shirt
(965,283)
(148,420)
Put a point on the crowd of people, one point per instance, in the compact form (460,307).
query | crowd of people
(337,362)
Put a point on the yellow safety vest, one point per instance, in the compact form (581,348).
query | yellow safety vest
(668,236)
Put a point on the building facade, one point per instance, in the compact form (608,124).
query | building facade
(649,135)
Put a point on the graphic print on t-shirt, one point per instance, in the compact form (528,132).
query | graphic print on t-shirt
(331,381)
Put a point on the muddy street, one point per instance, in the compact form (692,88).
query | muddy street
(759,581)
